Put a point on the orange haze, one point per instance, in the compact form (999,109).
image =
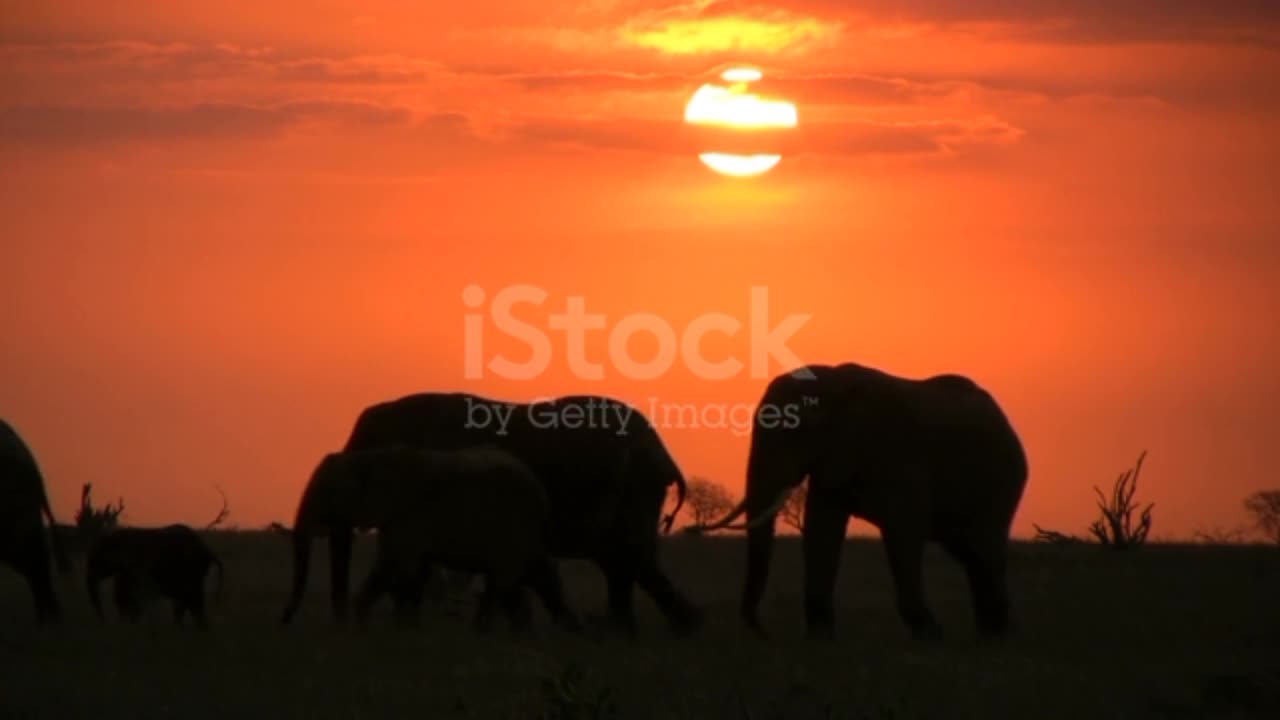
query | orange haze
(228,226)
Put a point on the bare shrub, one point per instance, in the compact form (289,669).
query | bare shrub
(1116,528)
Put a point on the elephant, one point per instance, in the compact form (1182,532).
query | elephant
(604,467)
(170,561)
(23,501)
(477,509)
(932,459)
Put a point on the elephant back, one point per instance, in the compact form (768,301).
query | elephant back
(22,493)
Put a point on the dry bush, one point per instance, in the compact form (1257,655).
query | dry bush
(1116,529)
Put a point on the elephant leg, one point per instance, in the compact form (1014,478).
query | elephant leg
(128,603)
(31,559)
(340,543)
(984,564)
(823,540)
(371,590)
(195,602)
(515,603)
(407,593)
(545,582)
(179,608)
(486,606)
(620,578)
(684,617)
(905,550)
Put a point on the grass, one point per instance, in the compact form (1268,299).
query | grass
(1169,631)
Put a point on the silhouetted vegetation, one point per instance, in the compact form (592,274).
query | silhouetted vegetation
(92,522)
(1220,536)
(707,501)
(1054,537)
(1116,528)
(223,513)
(1264,505)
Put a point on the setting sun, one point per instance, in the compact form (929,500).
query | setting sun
(733,108)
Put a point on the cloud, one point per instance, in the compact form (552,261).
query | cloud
(124,61)
(84,125)
(1061,21)
(845,138)
(705,26)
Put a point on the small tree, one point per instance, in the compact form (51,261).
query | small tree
(707,500)
(92,522)
(1264,505)
(1116,528)
(792,512)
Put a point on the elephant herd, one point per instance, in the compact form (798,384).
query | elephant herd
(503,490)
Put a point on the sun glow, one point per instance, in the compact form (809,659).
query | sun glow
(733,108)
(739,165)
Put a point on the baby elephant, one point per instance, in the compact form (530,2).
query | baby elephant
(171,561)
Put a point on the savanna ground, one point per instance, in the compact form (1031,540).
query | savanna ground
(1168,631)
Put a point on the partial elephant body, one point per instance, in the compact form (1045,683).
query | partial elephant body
(478,510)
(24,507)
(923,460)
(169,561)
(602,465)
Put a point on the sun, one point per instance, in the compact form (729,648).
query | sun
(733,114)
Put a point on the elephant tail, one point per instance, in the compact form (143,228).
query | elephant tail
(217,589)
(682,490)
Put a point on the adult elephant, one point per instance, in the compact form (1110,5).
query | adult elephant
(476,509)
(22,543)
(921,459)
(604,467)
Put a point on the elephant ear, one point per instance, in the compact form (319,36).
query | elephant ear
(863,430)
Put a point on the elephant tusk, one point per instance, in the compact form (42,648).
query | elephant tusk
(721,523)
(766,516)
(725,524)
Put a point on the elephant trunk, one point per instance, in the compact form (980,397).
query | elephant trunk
(682,489)
(301,569)
(769,481)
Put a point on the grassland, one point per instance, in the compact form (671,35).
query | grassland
(1165,632)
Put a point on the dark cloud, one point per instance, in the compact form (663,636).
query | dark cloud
(598,80)
(824,138)
(80,125)
(124,61)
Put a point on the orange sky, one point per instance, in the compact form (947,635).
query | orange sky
(228,226)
